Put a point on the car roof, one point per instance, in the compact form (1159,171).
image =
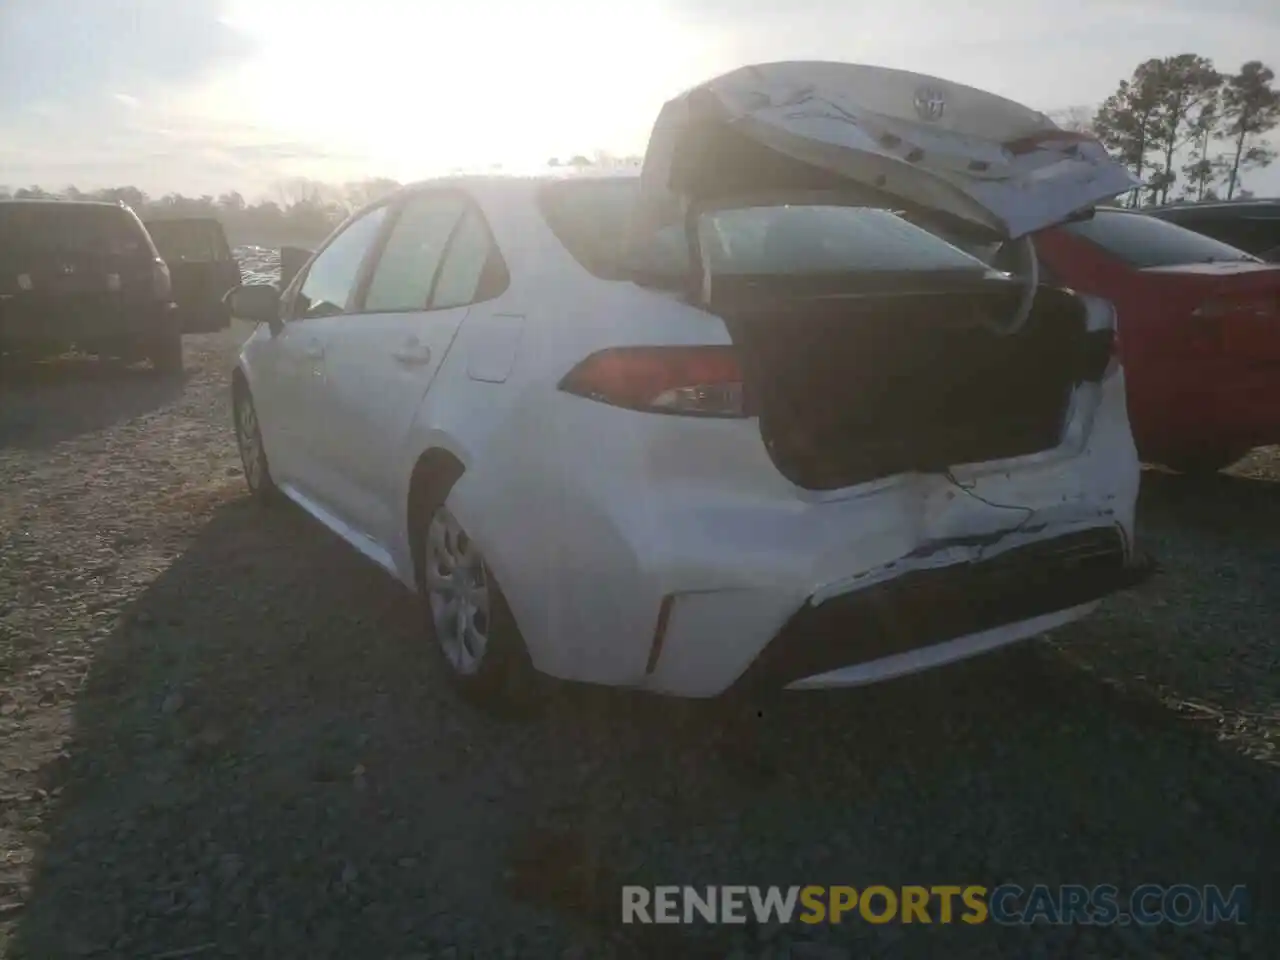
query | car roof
(535,177)
(60,204)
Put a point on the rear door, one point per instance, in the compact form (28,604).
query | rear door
(202,269)
(438,260)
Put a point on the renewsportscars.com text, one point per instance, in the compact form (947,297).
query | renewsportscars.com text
(1009,904)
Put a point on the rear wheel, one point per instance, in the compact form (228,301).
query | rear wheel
(165,355)
(468,619)
(253,455)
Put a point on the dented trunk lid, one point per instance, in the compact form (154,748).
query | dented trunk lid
(978,162)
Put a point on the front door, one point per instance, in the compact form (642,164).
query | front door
(321,293)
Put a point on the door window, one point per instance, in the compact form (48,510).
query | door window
(473,269)
(331,278)
(407,268)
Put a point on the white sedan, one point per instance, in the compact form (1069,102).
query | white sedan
(736,421)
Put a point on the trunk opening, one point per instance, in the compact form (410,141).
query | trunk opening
(853,387)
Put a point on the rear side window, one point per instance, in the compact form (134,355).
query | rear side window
(70,228)
(473,270)
(1143,241)
(407,267)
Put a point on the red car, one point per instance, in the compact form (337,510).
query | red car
(1199,333)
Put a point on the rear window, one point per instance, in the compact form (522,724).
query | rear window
(197,241)
(796,240)
(70,228)
(592,220)
(1143,241)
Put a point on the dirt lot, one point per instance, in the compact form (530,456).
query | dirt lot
(219,736)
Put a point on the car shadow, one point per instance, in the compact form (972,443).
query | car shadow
(267,762)
(45,403)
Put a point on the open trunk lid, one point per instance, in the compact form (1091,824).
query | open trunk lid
(871,346)
(201,267)
(984,163)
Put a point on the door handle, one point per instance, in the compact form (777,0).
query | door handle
(413,353)
(314,350)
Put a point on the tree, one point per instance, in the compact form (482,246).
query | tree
(1184,86)
(1250,108)
(1204,168)
(1125,121)
(232,202)
(129,196)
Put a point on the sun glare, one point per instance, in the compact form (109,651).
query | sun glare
(418,91)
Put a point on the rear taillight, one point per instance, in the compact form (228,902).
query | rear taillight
(161,283)
(701,381)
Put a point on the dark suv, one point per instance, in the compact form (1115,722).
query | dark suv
(1251,225)
(86,276)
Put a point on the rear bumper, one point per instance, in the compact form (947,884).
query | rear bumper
(84,321)
(933,616)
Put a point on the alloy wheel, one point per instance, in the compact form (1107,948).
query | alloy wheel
(457,584)
(249,440)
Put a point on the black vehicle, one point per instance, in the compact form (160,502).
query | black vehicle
(1251,225)
(202,268)
(85,276)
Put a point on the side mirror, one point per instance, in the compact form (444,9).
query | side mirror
(255,302)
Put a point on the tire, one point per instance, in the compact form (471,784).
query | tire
(165,355)
(253,454)
(467,620)
(1203,463)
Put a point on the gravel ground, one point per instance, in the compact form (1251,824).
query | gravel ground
(220,736)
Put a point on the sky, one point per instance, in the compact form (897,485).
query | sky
(205,96)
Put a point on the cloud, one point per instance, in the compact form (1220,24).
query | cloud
(156,151)
(72,51)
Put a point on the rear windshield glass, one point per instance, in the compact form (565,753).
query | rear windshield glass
(188,240)
(592,220)
(1143,241)
(69,228)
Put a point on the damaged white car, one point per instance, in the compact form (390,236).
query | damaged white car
(736,421)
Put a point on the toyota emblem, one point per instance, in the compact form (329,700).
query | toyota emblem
(931,103)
